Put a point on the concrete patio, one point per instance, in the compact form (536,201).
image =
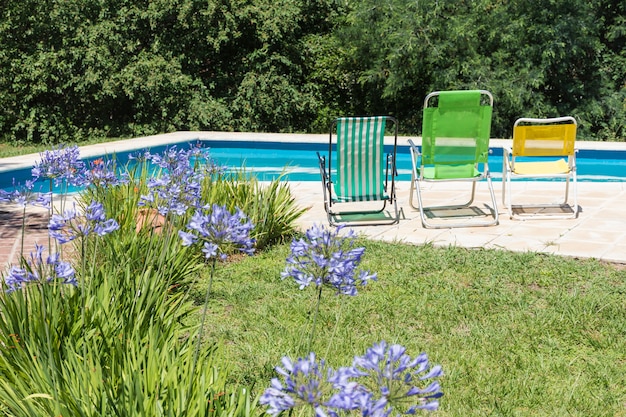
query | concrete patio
(599,231)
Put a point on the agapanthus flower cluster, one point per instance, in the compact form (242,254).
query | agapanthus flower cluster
(178,186)
(60,164)
(23,195)
(102,173)
(323,257)
(389,377)
(381,383)
(70,224)
(219,231)
(38,271)
(305,382)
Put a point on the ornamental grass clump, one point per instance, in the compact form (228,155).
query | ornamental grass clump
(113,336)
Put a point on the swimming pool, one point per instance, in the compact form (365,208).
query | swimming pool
(298,161)
(268,159)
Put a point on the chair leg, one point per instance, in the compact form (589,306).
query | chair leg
(446,225)
(413,187)
(574,205)
(509,202)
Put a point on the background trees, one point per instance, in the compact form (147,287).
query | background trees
(77,68)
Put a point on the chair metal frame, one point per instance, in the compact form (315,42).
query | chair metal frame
(328,180)
(551,164)
(420,168)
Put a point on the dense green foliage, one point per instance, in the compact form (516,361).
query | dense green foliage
(75,69)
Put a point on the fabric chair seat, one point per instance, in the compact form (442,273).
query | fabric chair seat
(538,169)
(450,172)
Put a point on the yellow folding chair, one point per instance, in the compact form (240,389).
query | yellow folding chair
(542,149)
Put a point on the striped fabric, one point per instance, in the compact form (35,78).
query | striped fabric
(360,159)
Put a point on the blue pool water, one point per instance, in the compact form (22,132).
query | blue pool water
(299,161)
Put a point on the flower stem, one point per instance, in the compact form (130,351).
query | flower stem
(317,309)
(83,306)
(50,209)
(23,235)
(201,330)
(332,337)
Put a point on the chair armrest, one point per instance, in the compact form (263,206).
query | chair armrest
(572,159)
(507,151)
(413,148)
(322,165)
(415,156)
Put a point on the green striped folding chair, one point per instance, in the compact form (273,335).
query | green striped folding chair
(363,173)
(455,147)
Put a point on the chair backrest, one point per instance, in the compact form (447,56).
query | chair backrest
(456,130)
(360,158)
(544,137)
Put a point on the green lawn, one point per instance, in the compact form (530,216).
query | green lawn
(12,149)
(518,334)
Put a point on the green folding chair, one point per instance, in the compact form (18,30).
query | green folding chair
(363,173)
(455,147)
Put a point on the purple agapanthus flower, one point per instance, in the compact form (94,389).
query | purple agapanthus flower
(177,187)
(102,173)
(324,258)
(36,270)
(69,225)
(306,382)
(381,383)
(390,379)
(219,231)
(23,195)
(60,164)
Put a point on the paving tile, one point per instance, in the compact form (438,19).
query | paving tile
(616,253)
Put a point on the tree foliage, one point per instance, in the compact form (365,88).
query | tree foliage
(539,58)
(73,69)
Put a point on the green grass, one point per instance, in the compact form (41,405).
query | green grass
(8,149)
(518,334)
